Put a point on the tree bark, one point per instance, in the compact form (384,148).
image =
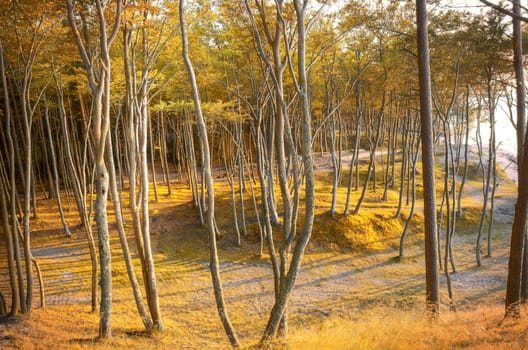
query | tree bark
(13,260)
(214,261)
(518,237)
(55,173)
(431,257)
(288,282)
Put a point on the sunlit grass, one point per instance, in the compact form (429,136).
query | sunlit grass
(389,328)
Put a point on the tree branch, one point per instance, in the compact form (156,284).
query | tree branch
(504,11)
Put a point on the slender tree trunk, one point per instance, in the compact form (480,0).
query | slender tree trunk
(79,194)
(466,151)
(28,121)
(214,263)
(147,322)
(487,179)
(55,173)
(414,155)
(372,158)
(404,162)
(448,232)
(150,281)
(152,154)
(240,156)
(355,151)
(100,89)
(288,282)
(13,260)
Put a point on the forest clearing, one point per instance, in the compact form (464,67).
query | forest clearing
(349,295)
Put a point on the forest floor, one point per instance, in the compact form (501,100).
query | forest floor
(348,295)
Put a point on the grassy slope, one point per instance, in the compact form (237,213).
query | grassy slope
(351,293)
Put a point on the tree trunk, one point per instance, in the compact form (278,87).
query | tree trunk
(372,158)
(288,281)
(147,322)
(355,151)
(514,286)
(105,256)
(431,257)
(403,170)
(13,259)
(466,151)
(150,272)
(214,263)
(414,155)
(55,173)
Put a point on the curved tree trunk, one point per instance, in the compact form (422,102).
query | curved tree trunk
(214,261)
(372,157)
(100,89)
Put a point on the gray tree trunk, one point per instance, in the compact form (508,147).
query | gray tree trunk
(214,261)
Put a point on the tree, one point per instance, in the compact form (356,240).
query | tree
(98,70)
(9,226)
(518,238)
(288,279)
(424,74)
(206,163)
(138,112)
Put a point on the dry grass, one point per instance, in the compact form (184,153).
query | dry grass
(389,328)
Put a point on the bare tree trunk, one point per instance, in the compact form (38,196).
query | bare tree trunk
(372,159)
(466,151)
(13,191)
(101,184)
(520,220)
(13,259)
(152,154)
(448,231)
(431,257)
(403,170)
(55,172)
(517,286)
(214,263)
(240,156)
(414,158)
(357,137)
(390,150)
(163,153)
(491,164)
(150,273)
(137,135)
(288,282)
(11,263)
(229,169)
(79,193)
(147,322)
(100,88)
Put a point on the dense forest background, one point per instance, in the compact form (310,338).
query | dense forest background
(141,136)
